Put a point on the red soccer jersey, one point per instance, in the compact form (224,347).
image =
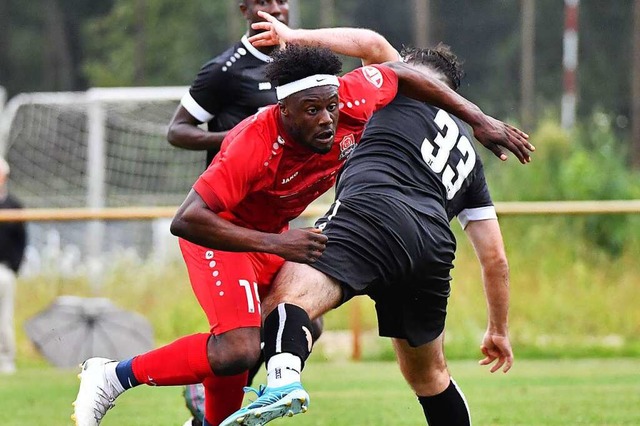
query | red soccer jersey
(264,179)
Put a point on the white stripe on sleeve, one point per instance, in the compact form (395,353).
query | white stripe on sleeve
(195,109)
(479,213)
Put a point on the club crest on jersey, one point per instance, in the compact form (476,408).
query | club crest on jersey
(347,145)
(373,75)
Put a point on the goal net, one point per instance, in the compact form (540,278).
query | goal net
(100,148)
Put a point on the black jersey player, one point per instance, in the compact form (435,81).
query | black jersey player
(389,237)
(228,88)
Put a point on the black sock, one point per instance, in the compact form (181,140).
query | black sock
(448,408)
(287,329)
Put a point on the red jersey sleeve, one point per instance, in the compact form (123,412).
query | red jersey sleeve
(367,89)
(237,170)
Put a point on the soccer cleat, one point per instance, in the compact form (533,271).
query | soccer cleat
(272,403)
(96,393)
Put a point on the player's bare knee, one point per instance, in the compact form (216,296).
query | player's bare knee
(234,361)
(233,364)
(234,352)
(431,381)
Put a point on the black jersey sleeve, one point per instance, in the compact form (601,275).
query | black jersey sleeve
(477,203)
(209,90)
(478,194)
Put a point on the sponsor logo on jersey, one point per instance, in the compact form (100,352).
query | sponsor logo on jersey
(347,145)
(373,75)
(265,85)
(290,178)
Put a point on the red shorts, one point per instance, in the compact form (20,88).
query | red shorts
(228,284)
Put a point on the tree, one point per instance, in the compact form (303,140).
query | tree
(5,40)
(176,40)
(635,92)
(527,66)
(422,23)
(60,71)
(327,13)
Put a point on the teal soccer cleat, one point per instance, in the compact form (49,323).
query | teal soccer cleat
(272,403)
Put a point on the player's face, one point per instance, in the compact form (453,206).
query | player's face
(311,117)
(279,9)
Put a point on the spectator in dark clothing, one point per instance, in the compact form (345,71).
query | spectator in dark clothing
(12,244)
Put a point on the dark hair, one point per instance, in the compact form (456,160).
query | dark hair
(439,58)
(296,62)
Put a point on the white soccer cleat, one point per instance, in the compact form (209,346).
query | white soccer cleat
(96,394)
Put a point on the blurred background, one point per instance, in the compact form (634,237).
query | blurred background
(513,50)
(567,72)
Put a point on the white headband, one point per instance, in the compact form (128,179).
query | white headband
(306,83)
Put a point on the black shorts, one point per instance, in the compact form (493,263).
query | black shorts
(397,255)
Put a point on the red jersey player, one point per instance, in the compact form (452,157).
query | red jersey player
(233,225)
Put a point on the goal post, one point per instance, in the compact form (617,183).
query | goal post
(89,142)
(102,148)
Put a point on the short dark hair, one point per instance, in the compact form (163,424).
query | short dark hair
(296,62)
(439,58)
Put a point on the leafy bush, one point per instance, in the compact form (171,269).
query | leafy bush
(585,164)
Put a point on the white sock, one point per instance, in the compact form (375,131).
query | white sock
(112,377)
(283,369)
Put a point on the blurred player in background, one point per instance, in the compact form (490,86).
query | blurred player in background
(13,240)
(234,223)
(228,88)
(388,236)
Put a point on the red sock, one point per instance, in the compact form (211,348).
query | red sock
(182,362)
(222,396)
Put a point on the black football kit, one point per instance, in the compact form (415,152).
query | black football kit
(230,88)
(389,232)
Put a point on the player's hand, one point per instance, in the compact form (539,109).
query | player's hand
(496,348)
(273,33)
(304,245)
(494,133)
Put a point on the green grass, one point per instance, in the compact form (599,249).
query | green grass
(568,299)
(570,304)
(535,392)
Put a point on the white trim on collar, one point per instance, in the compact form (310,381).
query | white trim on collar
(255,52)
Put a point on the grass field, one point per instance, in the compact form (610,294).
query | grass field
(570,305)
(536,392)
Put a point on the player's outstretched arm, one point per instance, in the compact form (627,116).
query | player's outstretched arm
(487,242)
(426,86)
(361,43)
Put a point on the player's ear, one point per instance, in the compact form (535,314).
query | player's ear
(283,108)
(242,4)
